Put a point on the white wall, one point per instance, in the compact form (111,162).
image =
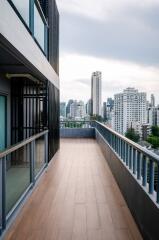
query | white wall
(15,32)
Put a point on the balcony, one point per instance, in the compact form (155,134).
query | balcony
(100,187)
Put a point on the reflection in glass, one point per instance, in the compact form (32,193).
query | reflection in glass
(39,154)
(39,28)
(17,175)
(23,9)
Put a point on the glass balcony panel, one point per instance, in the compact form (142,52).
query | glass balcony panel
(17,175)
(23,9)
(39,154)
(39,28)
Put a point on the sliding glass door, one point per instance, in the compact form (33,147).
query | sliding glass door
(2,122)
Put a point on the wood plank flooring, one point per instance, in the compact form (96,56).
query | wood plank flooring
(76,199)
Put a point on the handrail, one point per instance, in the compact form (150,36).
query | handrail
(133,144)
(21,144)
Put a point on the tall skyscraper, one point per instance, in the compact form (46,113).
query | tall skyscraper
(105,111)
(152,100)
(89,107)
(96,93)
(68,107)
(129,107)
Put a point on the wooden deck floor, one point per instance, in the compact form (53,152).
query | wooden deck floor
(76,199)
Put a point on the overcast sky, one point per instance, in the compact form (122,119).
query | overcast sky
(120,38)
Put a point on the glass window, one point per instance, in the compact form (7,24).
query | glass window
(39,27)
(23,9)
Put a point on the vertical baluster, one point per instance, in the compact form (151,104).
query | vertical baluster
(113,141)
(139,165)
(46,148)
(117,145)
(157,196)
(151,174)
(127,154)
(32,162)
(134,160)
(4,193)
(130,156)
(120,150)
(124,151)
(144,171)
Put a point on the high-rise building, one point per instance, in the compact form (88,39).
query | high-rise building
(63,109)
(129,107)
(153,116)
(152,100)
(77,110)
(68,108)
(110,103)
(89,107)
(96,93)
(105,111)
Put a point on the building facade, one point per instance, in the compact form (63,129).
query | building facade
(29,93)
(68,108)
(96,93)
(89,107)
(77,110)
(63,110)
(129,107)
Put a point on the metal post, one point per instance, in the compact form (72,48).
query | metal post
(144,171)
(46,149)
(139,165)
(134,160)
(157,197)
(124,152)
(151,180)
(4,193)
(32,162)
(131,157)
(127,154)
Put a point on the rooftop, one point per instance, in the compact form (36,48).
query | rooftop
(76,198)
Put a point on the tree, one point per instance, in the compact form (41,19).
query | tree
(97,118)
(132,135)
(154,140)
(155,131)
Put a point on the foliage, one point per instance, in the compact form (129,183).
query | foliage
(97,118)
(132,135)
(154,140)
(155,131)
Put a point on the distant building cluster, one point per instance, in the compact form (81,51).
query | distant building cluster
(128,109)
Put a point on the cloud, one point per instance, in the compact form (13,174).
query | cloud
(116,75)
(103,9)
(118,39)
(126,30)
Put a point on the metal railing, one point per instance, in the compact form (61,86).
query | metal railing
(142,163)
(20,166)
(75,124)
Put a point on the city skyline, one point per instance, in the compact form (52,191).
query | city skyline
(121,43)
(107,97)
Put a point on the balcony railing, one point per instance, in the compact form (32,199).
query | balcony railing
(142,163)
(76,124)
(20,166)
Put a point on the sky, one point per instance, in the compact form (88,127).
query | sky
(120,38)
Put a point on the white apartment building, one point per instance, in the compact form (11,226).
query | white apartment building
(96,93)
(129,107)
(77,110)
